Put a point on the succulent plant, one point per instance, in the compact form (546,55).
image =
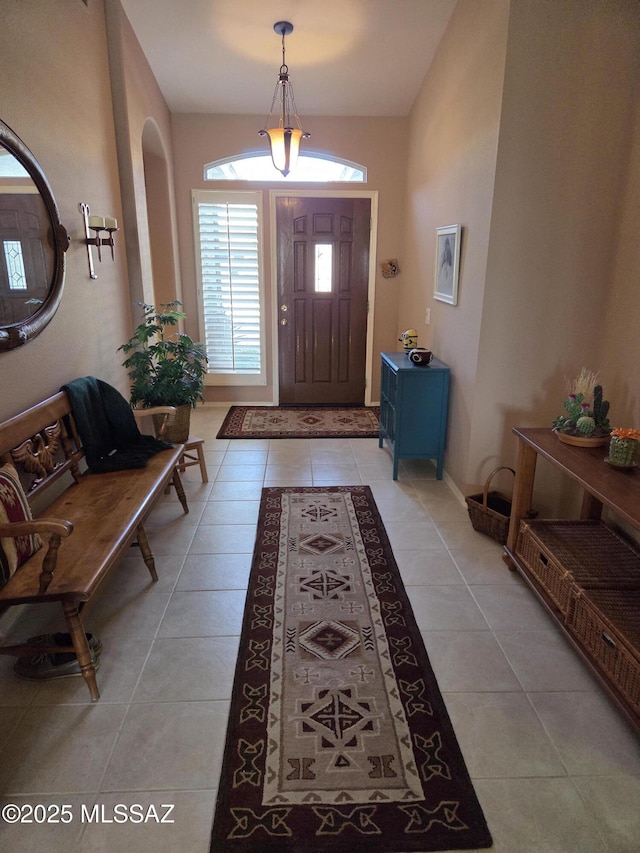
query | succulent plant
(600,409)
(586,425)
(583,418)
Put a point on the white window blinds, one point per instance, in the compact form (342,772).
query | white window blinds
(229,261)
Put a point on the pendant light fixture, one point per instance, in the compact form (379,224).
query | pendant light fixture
(284,140)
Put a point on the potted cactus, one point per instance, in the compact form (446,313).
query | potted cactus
(585,422)
(624,447)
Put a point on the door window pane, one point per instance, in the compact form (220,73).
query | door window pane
(323,268)
(15,265)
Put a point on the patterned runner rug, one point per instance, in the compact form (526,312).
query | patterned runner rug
(300,422)
(338,737)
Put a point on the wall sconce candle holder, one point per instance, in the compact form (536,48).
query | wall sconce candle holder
(97,224)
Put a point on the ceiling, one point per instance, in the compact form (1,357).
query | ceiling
(345,57)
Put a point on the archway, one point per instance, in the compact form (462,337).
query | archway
(165,285)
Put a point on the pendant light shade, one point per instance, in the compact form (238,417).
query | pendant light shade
(284,143)
(284,139)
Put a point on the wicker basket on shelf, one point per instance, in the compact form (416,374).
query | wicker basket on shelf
(490,511)
(607,624)
(561,553)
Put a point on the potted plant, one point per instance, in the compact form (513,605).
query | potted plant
(624,447)
(585,423)
(166,367)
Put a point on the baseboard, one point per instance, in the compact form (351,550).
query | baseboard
(454,489)
(218,405)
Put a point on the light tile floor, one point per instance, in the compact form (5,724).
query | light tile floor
(555,765)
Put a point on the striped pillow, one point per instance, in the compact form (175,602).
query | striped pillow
(14,507)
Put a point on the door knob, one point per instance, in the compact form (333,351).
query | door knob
(284,322)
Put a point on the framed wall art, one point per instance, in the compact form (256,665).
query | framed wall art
(447,264)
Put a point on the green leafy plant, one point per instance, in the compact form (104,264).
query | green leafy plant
(586,410)
(166,367)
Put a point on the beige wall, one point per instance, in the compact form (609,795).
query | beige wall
(526,133)
(554,282)
(378,143)
(620,348)
(55,94)
(63,77)
(143,126)
(451,167)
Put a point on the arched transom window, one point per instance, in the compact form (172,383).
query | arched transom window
(311,167)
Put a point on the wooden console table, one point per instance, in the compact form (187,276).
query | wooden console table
(602,487)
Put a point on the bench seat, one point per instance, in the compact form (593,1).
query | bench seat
(105,511)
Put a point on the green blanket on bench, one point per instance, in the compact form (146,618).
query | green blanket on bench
(107,427)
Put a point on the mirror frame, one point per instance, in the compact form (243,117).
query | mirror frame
(17,334)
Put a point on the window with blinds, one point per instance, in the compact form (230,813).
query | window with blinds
(228,255)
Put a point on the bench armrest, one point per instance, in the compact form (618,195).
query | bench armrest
(58,528)
(153,410)
(39,525)
(139,414)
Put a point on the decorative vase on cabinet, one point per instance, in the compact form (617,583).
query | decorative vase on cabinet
(414,401)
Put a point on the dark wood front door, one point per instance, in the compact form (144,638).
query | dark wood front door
(323,271)
(26,265)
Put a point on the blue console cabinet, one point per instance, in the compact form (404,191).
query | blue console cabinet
(414,400)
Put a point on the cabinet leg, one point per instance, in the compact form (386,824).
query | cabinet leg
(509,562)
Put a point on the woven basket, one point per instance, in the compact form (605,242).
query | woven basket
(490,512)
(607,624)
(561,554)
(178,425)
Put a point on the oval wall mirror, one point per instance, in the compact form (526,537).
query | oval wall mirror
(32,244)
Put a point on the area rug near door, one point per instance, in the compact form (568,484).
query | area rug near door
(338,737)
(301,422)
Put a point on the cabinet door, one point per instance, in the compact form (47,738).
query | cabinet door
(420,412)
(389,383)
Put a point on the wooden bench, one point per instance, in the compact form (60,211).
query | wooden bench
(88,520)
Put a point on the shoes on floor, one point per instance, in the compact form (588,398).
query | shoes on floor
(62,639)
(48,665)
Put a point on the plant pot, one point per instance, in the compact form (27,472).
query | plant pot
(178,425)
(582,440)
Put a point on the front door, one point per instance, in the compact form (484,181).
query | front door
(25,269)
(323,273)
